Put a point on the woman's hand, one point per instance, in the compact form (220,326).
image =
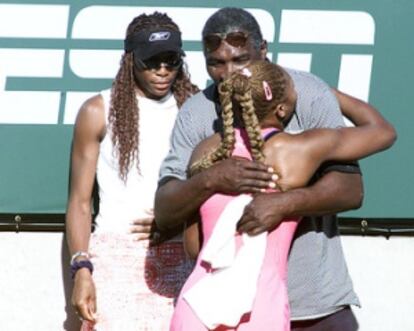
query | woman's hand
(84,295)
(146,229)
(144,226)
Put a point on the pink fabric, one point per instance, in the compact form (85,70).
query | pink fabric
(135,284)
(271,309)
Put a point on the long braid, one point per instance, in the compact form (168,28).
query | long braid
(252,127)
(124,109)
(123,116)
(243,94)
(226,146)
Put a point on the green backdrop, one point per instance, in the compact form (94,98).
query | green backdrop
(34,167)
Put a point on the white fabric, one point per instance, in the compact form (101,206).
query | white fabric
(121,203)
(223,296)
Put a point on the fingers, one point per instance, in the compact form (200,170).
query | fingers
(85,311)
(142,227)
(143,236)
(149,211)
(249,224)
(249,164)
(92,308)
(251,228)
(143,221)
(242,176)
(260,184)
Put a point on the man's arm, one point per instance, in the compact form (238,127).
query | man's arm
(333,193)
(178,200)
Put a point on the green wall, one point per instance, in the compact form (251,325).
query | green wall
(34,167)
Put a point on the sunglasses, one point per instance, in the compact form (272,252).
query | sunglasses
(156,63)
(213,41)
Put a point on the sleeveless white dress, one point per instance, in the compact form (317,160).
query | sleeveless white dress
(135,284)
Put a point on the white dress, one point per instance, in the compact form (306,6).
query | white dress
(135,284)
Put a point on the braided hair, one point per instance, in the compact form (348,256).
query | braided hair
(249,93)
(124,109)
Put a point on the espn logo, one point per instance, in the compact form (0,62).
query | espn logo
(47,70)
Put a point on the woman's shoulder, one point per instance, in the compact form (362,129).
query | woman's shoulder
(205,147)
(91,115)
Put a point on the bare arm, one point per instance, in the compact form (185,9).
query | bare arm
(297,157)
(371,134)
(334,192)
(192,238)
(89,130)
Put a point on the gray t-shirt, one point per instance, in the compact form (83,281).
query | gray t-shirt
(318,279)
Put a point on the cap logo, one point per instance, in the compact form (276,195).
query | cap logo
(157,36)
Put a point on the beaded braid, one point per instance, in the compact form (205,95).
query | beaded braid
(124,110)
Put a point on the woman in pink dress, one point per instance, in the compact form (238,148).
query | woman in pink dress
(239,282)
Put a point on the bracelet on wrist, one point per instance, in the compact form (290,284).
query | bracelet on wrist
(77,265)
(79,254)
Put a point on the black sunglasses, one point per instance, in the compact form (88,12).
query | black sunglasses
(156,63)
(213,41)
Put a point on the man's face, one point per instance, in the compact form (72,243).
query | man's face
(226,59)
(156,75)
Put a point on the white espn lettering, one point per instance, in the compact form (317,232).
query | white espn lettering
(84,64)
(33,21)
(327,27)
(91,23)
(29,107)
(331,27)
(40,21)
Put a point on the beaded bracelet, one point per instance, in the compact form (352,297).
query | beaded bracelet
(79,254)
(76,265)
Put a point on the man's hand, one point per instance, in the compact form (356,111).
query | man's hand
(263,213)
(179,200)
(240,175)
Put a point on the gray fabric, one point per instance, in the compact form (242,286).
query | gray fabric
(318,279)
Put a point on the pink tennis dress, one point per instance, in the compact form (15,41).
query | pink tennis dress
(270,309)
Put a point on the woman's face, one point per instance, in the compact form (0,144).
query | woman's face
(156,75)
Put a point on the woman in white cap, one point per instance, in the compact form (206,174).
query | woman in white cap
(120,138)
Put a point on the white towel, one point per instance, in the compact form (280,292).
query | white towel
(223,296)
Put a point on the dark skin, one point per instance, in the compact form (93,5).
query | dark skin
(178,201)
(296,157)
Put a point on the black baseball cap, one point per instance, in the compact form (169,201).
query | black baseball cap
(147,43)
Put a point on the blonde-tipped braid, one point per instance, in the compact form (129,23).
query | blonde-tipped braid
(226,146)
(236,86)
(253,130)
(248,91)
(243,94)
